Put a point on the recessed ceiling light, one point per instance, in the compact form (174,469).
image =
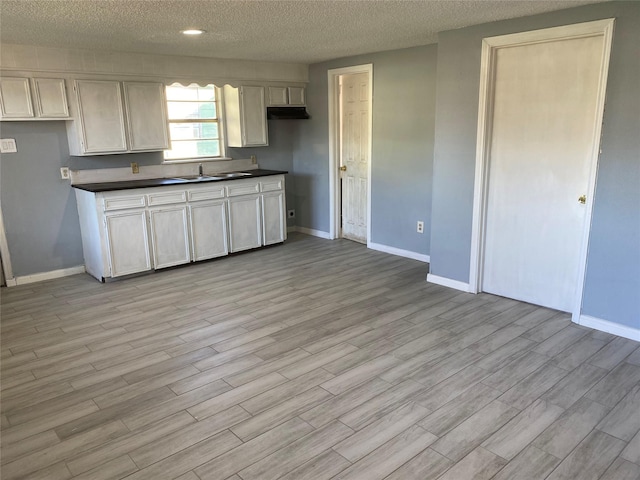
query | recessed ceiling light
(193,31)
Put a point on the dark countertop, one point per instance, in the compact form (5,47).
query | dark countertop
(159,182)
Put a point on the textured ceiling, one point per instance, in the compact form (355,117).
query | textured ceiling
(302,31)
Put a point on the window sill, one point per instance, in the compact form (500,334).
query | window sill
(196,160)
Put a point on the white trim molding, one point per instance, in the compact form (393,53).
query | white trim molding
(448,282)
(399,252)
(41,277)
(603,28)
(610,327)
(314,233)
(334,145)
(6,256)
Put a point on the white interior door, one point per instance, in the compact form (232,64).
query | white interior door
(354,154)
(545,106)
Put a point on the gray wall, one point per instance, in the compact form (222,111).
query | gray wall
(612,290)
(402,147)
(39,208)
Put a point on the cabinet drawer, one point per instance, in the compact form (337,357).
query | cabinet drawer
(237,188)
(205,193)
(271,185)
(166,198)
(121,203)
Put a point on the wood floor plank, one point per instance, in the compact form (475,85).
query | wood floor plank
(480,464)
(322,467)
(341,404)
(620,469)
(590,459)
(277,414)
(632,451)
(374,435)
(235,396)
(427,465)
(623,421)
(254,450)
(116,448)
(530,464)
(297,453)
(181,439)
(390,456)
(464,438)
(562,436)
(272,363)
(522,429)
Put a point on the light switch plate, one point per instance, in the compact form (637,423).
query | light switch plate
(8,145)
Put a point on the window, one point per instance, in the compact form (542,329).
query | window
(194,125)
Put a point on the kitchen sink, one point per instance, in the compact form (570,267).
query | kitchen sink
(204,178)
(199,178)
(232,174)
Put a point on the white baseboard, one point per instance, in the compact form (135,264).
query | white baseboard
(610,327)
(40,277)
(447,282)
(398,251)
(291,229)
(315,233)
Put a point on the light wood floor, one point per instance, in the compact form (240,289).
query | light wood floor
(312,360)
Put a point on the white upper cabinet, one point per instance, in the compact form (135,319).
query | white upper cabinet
(33,99)
(286,96)
(15,98)
(100,118)
(296,96)
(146,111)
(50,98)
(246,116)
(108,121)
(278,96)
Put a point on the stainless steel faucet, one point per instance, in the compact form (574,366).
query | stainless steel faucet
(200,172)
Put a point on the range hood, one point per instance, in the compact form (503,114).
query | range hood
(287,113)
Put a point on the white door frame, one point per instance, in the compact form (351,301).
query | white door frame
(6,258)
(602,28)
(334,147)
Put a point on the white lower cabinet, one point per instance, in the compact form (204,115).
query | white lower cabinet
(245,222)
(274,224)
(127,242)
(208,230)
(132,231)
(169,228)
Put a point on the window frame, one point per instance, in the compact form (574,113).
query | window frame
(219,120)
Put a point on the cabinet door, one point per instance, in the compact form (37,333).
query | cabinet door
(127,242)
(274,225)
(101,116)
(208,230)
(254,117)
(169,236)
(277,96)
(15,98)
(51,98)
(296,96)
(245,230)
(146,111)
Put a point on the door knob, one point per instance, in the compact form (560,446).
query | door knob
(582,199)
(343,168)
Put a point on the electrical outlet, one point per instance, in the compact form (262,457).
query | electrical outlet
(291,213)
(8,145)
(254,159)
(420,227)
(134,168)
(64,173)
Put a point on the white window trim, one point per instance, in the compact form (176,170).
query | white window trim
(222,129)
